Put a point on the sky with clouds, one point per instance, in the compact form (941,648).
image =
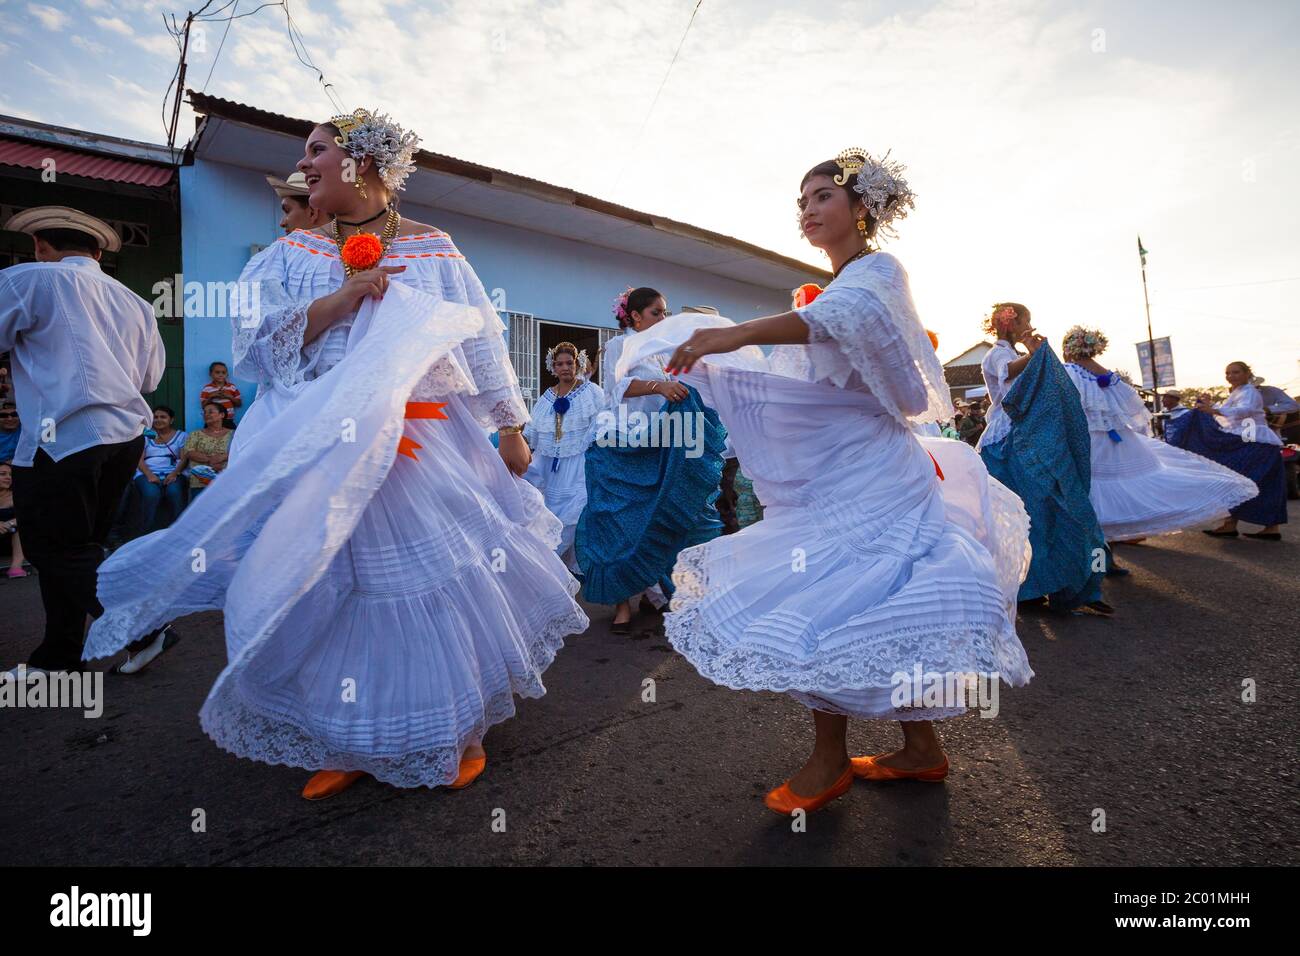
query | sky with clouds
(1040,137)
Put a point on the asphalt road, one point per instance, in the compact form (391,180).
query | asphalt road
(1140,716)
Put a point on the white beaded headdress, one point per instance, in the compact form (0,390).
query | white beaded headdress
(584,363)
(364,133)
(881,185)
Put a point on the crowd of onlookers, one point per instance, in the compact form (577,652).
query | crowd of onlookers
(174,467)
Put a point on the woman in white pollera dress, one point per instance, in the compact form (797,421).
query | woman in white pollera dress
(388,580)
(868,565)
(1141,486)
(562,426)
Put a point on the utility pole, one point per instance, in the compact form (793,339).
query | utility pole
(180,83)
(1151,342)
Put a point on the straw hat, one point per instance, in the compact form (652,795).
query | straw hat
(295,185)
(38,218)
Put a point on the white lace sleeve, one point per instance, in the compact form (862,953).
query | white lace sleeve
(866,322)
(268,324)
(499,402)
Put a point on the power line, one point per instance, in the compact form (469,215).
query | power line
(224,33)
(206,15)
(668,72)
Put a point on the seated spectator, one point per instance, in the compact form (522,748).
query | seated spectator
(158,472)
(221,390)
(10,429)
(206,448)
(11,549)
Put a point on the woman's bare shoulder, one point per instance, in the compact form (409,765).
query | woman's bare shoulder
(410,227)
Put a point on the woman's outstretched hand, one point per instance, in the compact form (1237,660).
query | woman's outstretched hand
(703,342)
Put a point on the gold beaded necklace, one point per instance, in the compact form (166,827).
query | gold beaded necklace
(391,225)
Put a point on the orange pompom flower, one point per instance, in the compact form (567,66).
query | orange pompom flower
(934,340)
(805,294)
(362,251)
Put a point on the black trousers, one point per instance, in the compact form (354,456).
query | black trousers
(64,511)
(726,503)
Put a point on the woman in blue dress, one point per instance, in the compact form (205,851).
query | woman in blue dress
(653,473)
(1236,434)
(1036,443)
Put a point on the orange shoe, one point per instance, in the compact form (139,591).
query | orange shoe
(326,783)
(470,769)
(785,801)
(869,768)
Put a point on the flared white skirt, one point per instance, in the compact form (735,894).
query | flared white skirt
(1142,486)
(381,611)
(867,568)
(563,484)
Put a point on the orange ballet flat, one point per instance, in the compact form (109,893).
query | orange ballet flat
(785,801)
(329,782)
(470,769)
(869,768)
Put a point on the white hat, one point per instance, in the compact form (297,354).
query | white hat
(38,218)
(295,185)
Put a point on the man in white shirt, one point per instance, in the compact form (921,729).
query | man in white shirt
(83,348)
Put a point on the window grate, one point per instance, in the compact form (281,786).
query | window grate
(522,336)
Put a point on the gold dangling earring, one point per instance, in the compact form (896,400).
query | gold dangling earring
(360,183)
(862,228)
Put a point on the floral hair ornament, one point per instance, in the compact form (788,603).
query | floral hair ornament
(620,306)
(1003,317)
(1083,343)
(880,183)
(364,133)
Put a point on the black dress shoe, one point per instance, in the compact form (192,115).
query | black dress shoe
(1117,572)
(1219,534)
(1101,607)
(1265,535)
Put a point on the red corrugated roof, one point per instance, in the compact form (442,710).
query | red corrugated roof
(73,163)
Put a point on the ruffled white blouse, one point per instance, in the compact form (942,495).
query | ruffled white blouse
(994,368)
(577,426)
(269,315)
(1109,402)
(864,334)
(1245,404)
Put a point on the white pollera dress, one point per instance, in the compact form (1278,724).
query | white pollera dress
(557,469)
(1141,486)
(381,610)
(866,564)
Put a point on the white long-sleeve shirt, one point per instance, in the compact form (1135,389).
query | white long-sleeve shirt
(83,347)
(1245,404)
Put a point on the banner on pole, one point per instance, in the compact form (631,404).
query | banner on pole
(1164,363)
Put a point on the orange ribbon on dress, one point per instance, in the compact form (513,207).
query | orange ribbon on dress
(937,470)
(407,447)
